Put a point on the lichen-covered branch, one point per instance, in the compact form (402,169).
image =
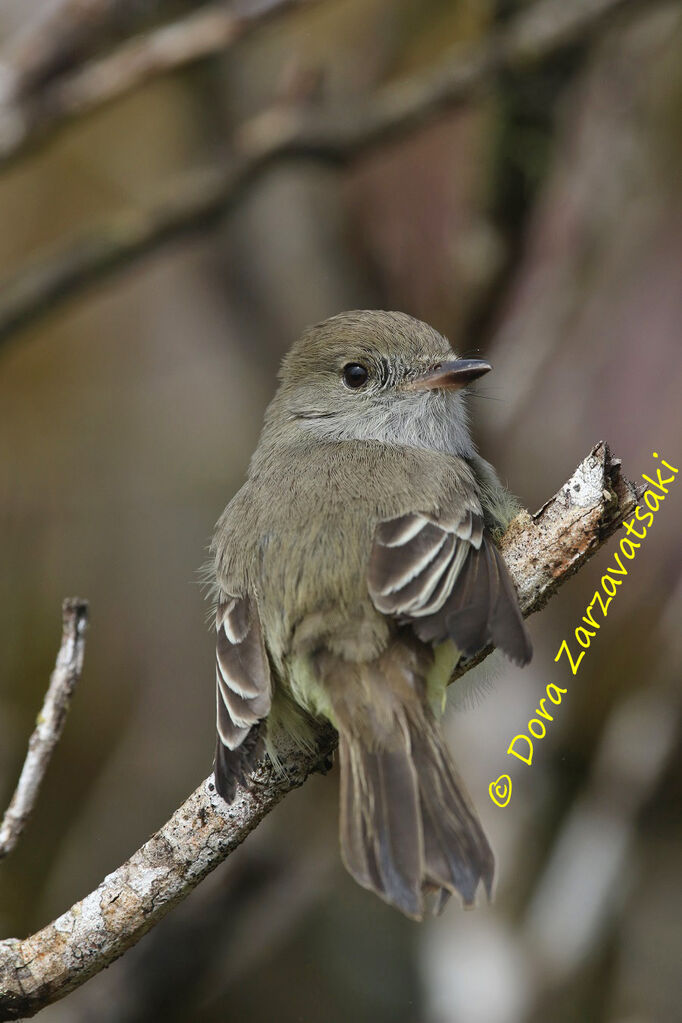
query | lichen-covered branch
(50,723)
(335,135)
(94,932)
(542,552)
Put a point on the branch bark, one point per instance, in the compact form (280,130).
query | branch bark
(336,136)
(50,725)
(542,551)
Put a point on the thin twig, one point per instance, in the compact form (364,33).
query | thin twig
(50,723)
(335,136)
(542,552)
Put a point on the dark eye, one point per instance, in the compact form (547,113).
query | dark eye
(355,375)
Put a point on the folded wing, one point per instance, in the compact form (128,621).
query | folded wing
(243,691)
(445,577)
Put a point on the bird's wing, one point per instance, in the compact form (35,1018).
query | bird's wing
(243,691)
(444,576)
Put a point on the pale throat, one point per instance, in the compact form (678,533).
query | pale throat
(432,422)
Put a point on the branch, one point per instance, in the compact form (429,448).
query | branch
(28,118)
(336,135)
(50,723)
(542,552)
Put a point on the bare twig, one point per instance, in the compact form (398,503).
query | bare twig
(191,206)
(27,118)
(50,723)
(335,136)
(542,552)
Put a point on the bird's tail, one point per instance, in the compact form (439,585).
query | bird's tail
(407,826)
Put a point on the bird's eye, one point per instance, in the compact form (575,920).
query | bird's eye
(355,375)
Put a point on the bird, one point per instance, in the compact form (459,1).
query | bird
(352,572)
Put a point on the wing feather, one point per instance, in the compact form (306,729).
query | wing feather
(444,575)
(243,691)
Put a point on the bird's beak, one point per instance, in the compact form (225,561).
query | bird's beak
(450,376)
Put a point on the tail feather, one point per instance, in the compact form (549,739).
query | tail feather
(457,854)
(357,849)
(407,826)
(381,840)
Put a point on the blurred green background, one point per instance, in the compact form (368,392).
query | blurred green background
(540,225)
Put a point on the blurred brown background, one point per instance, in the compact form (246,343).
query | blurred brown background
(540,224)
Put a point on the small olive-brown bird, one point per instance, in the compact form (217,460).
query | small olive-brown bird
(353,570)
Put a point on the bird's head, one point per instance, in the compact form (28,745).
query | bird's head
(370,375)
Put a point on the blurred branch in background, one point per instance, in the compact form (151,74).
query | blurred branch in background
(334,135)
(50,723)
(67,31)
(632,756)
(29,115)
(541,552)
